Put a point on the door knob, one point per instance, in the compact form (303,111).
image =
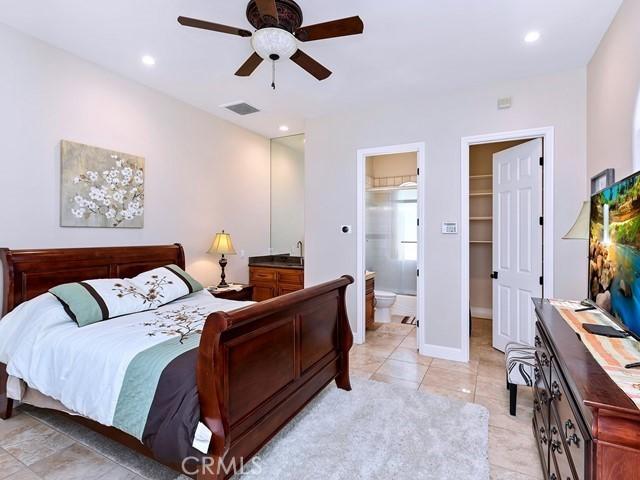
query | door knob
(494,275)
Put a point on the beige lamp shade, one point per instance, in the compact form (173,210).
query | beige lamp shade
(222,245)
(580,229)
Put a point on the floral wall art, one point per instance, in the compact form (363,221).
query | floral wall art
(100,188)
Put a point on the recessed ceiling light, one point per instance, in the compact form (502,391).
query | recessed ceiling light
(284,128)
(532,36)
(148,60)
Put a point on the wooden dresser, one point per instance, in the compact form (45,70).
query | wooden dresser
(585,426)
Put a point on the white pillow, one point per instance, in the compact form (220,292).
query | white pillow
(165,284)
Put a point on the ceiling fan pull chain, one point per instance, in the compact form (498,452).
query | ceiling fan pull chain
(273,74)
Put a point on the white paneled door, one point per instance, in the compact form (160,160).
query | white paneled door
(517,241)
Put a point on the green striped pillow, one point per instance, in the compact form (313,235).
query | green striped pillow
(93,301)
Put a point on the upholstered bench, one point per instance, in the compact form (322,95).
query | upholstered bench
(520,360)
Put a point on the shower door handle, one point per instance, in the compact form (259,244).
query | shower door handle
(494,275)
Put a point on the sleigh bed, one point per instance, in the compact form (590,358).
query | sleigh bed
(257,366)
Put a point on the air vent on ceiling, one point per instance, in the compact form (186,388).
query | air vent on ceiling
(241,108)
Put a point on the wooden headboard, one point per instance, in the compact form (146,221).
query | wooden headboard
(28,273)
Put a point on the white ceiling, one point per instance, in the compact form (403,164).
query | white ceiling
(409,48)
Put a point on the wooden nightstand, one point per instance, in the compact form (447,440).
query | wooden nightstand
(240,295)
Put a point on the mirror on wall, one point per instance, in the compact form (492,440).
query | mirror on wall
(287,195)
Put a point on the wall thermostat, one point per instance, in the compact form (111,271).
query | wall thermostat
(449,228)
(345,228)
(504,103)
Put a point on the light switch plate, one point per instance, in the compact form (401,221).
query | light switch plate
(449,228)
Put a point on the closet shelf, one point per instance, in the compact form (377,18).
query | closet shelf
(481,242)
(481,193)
(473,177)
(478,219)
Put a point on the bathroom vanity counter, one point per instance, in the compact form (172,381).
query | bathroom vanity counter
(277,261)
(275,275)
(370,299)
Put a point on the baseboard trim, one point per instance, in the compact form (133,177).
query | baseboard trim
(446,353)
(482,312)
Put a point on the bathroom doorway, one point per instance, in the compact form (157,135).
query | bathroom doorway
(390,299)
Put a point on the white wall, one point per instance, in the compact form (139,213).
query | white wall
(441,121)
(613,93)
(202,174)
(287,197)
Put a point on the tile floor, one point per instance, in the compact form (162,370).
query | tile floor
(30,450)
(389,355)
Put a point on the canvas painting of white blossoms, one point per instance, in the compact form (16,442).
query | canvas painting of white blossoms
(100,188)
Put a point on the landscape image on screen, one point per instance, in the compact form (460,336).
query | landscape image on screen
(614,251)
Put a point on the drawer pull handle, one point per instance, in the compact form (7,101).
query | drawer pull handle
(536,405)
(568,425)
(538,342)
(556,446)
(556,393)
(543,436)
(545,359)
(543,397)
(575,439)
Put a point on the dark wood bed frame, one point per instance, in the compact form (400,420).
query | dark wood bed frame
(257,366)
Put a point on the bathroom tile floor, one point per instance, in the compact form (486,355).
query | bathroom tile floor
(30,450)
(389,355)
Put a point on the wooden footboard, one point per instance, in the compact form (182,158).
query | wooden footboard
(261,365)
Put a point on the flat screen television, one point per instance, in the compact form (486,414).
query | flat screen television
(614,252)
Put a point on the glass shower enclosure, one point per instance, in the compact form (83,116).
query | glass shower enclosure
(392,237)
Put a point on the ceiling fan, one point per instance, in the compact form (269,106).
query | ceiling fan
(278,25)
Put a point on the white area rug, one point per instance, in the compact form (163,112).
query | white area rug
(376,431)
(379,431)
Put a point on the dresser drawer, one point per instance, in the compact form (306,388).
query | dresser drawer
(569,428)
(540,432)
(291,277)
(541,390)
(559,454)
(541,409)
(257,275)
(543,354)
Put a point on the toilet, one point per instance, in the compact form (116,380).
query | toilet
(384,301)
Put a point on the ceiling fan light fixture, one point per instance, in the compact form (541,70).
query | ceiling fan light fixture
(269,42)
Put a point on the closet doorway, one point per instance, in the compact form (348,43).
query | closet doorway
(503,232)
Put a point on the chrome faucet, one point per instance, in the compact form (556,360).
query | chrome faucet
(300,246)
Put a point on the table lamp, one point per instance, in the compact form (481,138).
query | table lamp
(222,246)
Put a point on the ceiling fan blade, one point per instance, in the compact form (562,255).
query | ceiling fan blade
(216,27)
(310,65)
(249,66)
(335,28)
(267,8)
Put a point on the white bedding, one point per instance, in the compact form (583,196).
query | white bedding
(84,368)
